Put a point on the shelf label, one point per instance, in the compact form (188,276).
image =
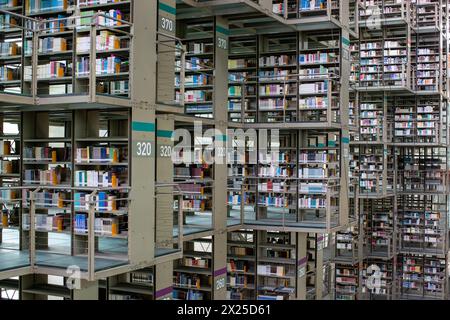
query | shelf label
(143,149)
(301,272)
(222,37)
(167,24)
(220,283)
(165,151)
(222,43)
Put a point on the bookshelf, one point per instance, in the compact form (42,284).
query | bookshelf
(302,9)
(319,172)
(277,181)
(241,265)
(278,85)
(198,37)
(346,245)
(10,157)
(422,169)
(47,163)
(243,79)
(193,273)
(276,268)
(63,52)
(346,281)
(421,219)
(385,54)
(136,285)
(195,177)
(319,68)
(11,48)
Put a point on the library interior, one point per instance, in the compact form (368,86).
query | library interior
(224,150)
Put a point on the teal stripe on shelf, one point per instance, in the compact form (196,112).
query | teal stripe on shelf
(221,138)
(346,140)
(143,126)
(164,133)
(345,41)
(165,7)
(222,30)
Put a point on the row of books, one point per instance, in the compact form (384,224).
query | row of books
(105,41)
(273,172)
(317,157)
(108,65)
(53,69)
(46,154)
(47,223)
(87,3)
(187,280)
(273,187)
(8,49)
(240,251)
(47,199)
(189,295)
(9,166)
(313,173)
(241,63)
(102,226)
(196,96)
(93,178)
(9,73)
(37,6)
(193,205)
(200,47)
(8,3)
(110,18)
(53,176)
(98,154)
(102,201)
(52,44)
(242,266)
(282,60)
(193,172)
(196,262)
(318,57)
(9,194)
(7,22)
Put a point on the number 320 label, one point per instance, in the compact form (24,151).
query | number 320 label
(143,149)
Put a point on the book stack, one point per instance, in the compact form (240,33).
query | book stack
(318,57)
(198,263)
(52,44)
(54,69)
(87,3)
(98,154)
(7,21)
(104,42)
(8,3)
(92,178)
(274,61)
(6,73)
(46,199)
(9,49)
(54,176)
(307,5)
(102,201)
(312,203)
(46,154)
(36,6)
